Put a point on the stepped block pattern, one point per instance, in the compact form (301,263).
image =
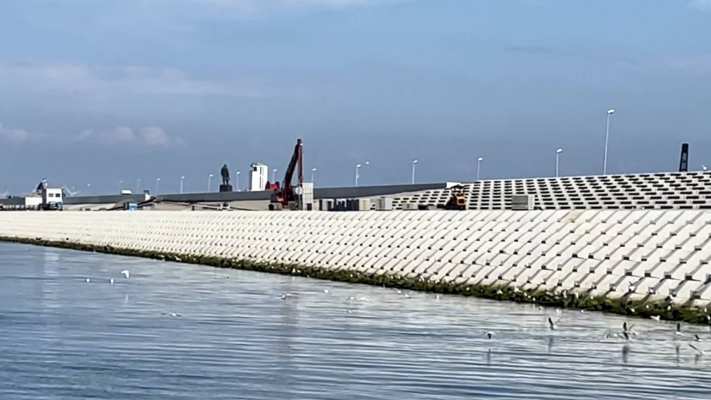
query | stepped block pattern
(672,190)
(636,254)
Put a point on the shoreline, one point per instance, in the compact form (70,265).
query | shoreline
(633,308)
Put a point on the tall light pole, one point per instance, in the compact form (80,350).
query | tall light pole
(209,182)
(138,185)
(157,186)
(704,167)
(313,175)
(182,179)
(610,113)
(274,172)
(237,180)
(120,186)
(557,161)
(414,167)
(478,167)
(357,173)
(88,188)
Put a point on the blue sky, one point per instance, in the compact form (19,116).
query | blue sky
(105,91)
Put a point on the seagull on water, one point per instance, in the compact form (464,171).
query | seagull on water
(697,337)
(126,274)
(111,281)
(87,280)
(628,329)
(678,331)
(656,317)
(698,350)
(489,335)
(552,325)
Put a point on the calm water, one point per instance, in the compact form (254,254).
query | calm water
(185,332)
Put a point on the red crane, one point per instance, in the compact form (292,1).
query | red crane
(284,193)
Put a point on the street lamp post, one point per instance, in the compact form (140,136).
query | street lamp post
(88,188)
(557,161)
(274,172)
(157,186)
(478,167)
(414,167)
(237,180)
(610,113)
(182,179)
(209,182)
(357,173)
(704,167)
(313,175)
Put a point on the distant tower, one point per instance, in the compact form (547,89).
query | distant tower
(684,161)
(258,177)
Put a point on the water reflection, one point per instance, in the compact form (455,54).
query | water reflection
(181,331)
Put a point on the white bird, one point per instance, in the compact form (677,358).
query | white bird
(126,274)
(656,318)
(87,280)
(698,350)
(627,331)
(111,281)
(678,331)
(697,337)
(552,325)
(325,291)
(628,328)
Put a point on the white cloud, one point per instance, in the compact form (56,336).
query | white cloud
(114,81)
(254,7)
(14,135)
(152,136)
(704,5)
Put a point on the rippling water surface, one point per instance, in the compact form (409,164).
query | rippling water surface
(184,332)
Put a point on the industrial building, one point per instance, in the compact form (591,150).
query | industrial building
(670,190)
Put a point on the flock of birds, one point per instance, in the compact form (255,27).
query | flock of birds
(627,332)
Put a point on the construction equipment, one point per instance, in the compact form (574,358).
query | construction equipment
(51,198)
(285,193)
(458,199)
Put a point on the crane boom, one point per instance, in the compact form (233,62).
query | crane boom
(284,194)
